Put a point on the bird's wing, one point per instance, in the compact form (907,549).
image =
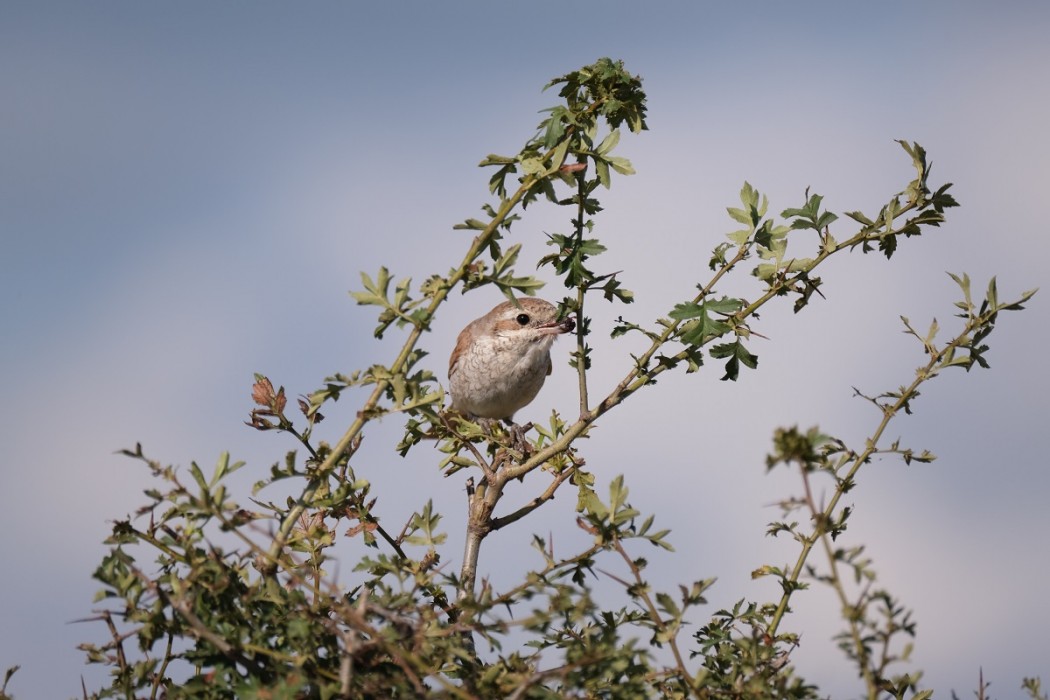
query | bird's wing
(462,343)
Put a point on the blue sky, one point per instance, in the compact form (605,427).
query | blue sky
(188,191)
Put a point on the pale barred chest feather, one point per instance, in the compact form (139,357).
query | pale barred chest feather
(498,375)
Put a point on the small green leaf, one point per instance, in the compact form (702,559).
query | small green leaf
(686,310)
(558,157)
(738,355)
(493,159)
(507,260)
(702,329)
(621,165)
(667,604)
(198,476)
(725,305)
(739,215)
(608,143)
(532,166)
(601,167)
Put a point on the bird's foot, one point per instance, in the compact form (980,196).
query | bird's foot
(508,435)
(518,441)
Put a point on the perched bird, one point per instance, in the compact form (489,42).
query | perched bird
(502,359)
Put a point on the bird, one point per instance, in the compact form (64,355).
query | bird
(502,359)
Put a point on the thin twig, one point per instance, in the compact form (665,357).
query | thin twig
(889,411)
(820,531)
(158,676)
(503,521)
(654,614)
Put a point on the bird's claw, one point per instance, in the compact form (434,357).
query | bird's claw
(518,441)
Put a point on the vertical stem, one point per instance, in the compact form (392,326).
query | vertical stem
(479,525)
(855,632)
(468,574)
(889,411)
(581,345)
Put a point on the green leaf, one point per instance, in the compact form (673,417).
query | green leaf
(493,159)
(587,501)
(198,476)
(532,166)
(621,165)
(558,157)
(471,224)
(765,271)
(601,168)
(826,219)
(860,218)
(223,467)
(608,143)
(725,305)
(591,247)
(507,260)
(738,355)
(617,493)
(740,215)
(527,285)
(686,310)
(375,291)
(702,329)
(667,604)
(738,238)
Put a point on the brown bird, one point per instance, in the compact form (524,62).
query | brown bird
(502,359)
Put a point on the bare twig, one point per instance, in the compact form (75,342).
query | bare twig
(503,521)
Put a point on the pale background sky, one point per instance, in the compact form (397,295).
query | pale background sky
(188,191)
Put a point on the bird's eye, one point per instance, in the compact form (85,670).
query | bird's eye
(522,319)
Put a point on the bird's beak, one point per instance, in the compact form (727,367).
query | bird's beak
(566,325)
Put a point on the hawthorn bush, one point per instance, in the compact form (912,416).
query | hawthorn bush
(204,597)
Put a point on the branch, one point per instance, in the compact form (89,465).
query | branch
(581,290)
(855,631)
(328,466)
(501,522)
(641,589)
(642,374)
(976,324)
